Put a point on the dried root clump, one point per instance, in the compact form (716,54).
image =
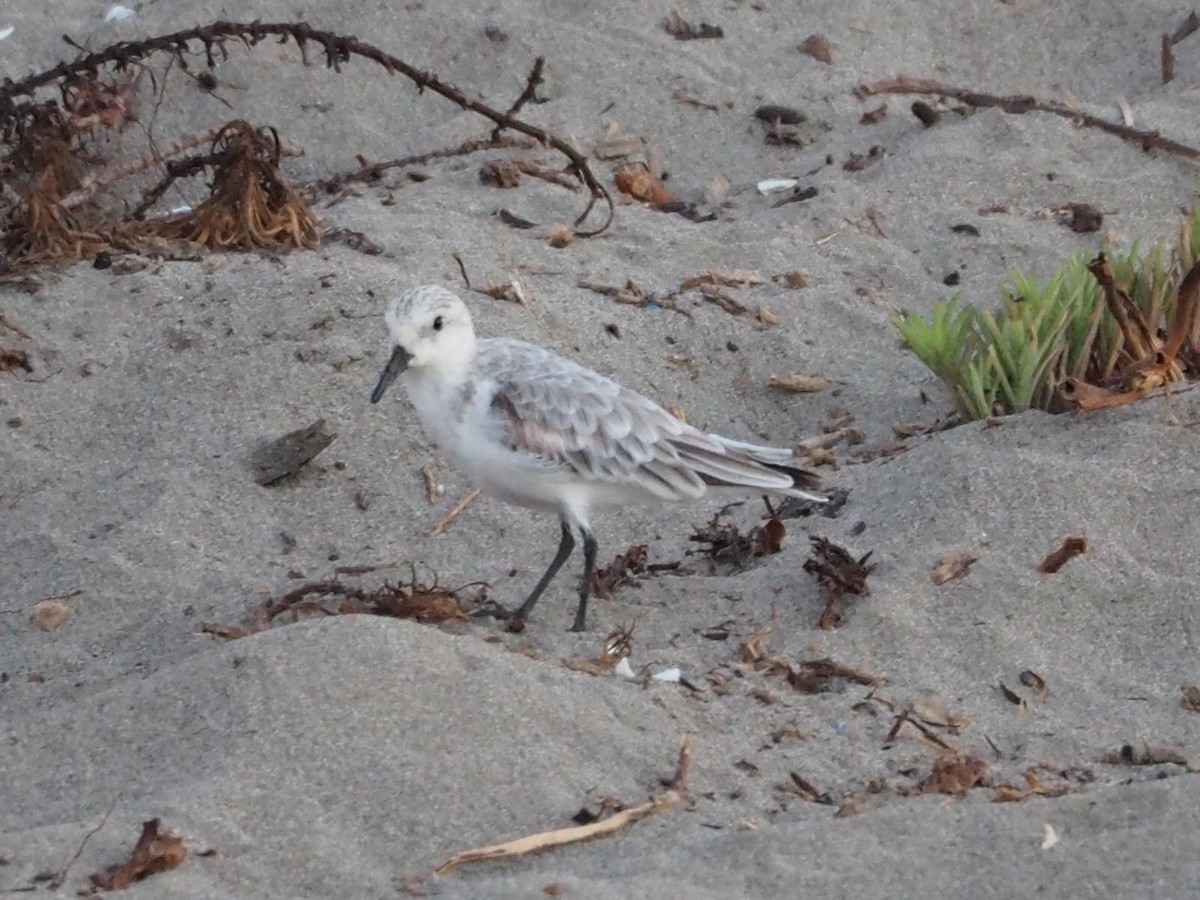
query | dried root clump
(251,206)
(39,171)
(65,195)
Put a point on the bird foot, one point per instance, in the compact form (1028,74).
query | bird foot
(513,621)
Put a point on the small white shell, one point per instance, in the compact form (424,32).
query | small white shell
(5,32)
(672,674)
(118,13)
(775,185)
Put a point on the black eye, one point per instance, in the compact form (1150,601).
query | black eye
(438,323)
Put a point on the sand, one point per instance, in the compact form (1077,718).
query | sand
(347,756)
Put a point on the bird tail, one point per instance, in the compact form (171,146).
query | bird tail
(743,465)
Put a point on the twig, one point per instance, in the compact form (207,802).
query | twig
(1018,105)
(58,879)
(531,85)
(462,267)
(5,322)
(535,169)
(373,171)
(1186,29)
(92,184)
(338,49)
(462,504)
(563,836)
(176,168)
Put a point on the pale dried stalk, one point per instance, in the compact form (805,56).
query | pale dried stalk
(93,183)
(562,836)
(462,504)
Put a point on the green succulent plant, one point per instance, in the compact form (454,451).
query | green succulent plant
(1045,332)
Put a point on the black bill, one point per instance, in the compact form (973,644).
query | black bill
(396,364)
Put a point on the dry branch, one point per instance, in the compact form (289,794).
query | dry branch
(93,183)
(375,170)
(1020,104)
(337,49)
(563,836)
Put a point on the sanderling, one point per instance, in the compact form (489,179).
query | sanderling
(540,431)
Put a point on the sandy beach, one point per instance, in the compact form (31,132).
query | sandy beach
(350,755)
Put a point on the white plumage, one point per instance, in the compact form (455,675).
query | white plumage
(538,430)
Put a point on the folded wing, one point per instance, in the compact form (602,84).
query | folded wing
(566,416)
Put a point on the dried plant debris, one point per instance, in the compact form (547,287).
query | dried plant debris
(726,546)
(856,162)
(839,574)
(1070,548)
(500,173)
(1034,787)
(506,173)
(14,358)
(954,565)
(955,772)
(711,278)
(926,113)
(618,646)
(1012,696)
(251,206)
(639,183)
(718,297)
(355,240)
(156,851)
(797,507)
(66,202)
(1185,30)
(622,570)
(1032,679)
(1142,754)
(428,604)
(796,195)
(618,146)
(1084,218)
(1191,697)
(1024,103)
(774,114)
(801,382)
(874,116)
(818,47)
(804,789)
(922,722)
(590,825)
(818,675)
(813,676)
(274,460)
(682,30)
(50,614)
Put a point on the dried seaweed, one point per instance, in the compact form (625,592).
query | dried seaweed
(429,604)
(622,570)
(727,546)
(48,213)
(251,206)
(839,574)
(1072,546)
(155,851)
(955,772)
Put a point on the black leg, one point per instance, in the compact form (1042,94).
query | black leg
(589,568)
(517,621)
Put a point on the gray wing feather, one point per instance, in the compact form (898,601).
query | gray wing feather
(564,415)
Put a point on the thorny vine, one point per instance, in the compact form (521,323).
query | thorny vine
(250,204)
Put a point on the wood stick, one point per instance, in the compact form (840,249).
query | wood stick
(1018,105)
